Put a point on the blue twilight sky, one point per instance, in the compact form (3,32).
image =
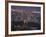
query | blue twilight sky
(26,7)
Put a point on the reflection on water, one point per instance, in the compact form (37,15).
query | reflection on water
(22,26)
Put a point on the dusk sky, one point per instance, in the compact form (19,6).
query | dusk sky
(26,7)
